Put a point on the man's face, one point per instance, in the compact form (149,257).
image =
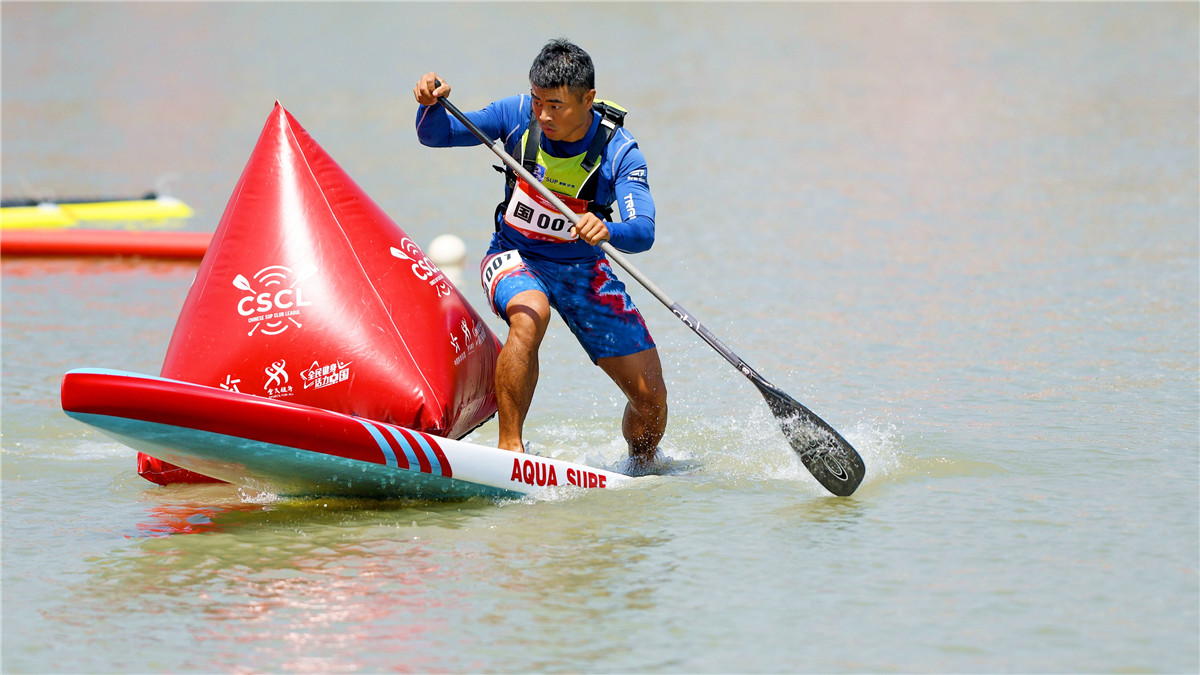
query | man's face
(563,115)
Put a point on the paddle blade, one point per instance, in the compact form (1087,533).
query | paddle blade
(831,460)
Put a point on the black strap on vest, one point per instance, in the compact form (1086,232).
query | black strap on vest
(611,117)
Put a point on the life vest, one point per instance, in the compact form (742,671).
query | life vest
(573,179)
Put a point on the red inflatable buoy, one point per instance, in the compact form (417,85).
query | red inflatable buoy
(310,293)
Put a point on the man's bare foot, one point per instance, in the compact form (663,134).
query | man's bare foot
(640,465)
(526,447)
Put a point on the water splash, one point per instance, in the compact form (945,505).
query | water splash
(252,496)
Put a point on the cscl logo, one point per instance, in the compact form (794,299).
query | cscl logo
(273,301)
(422,267)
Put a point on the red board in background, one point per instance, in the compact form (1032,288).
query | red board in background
(310,293)
(79,242)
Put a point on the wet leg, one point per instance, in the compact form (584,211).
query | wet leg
(517,367)
(640,378)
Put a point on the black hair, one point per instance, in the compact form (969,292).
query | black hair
(562,63)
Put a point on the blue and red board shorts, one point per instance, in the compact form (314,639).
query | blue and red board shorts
(588,296)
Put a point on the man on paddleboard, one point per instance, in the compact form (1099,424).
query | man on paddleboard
(578,148)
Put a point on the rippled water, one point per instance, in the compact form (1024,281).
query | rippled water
(965,235)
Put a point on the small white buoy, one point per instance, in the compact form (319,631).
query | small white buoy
(447,250)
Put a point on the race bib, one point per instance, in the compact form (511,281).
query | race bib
(496,267)
(534,216)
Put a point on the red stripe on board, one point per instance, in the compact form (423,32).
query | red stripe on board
(426,467)
(401,457)
(437,450)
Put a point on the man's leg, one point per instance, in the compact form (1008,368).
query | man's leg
(517,368)
(640,377)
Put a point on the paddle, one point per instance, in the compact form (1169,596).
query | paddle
(831,460)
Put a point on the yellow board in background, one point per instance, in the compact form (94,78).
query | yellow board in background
(43,215)
(142,209)
(65,215)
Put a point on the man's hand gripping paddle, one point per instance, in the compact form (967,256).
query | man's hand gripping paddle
(833,462)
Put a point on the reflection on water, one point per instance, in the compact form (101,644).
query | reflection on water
(283,583)
(168,519)
(299,585)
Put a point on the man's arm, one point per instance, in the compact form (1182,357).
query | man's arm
(634,233)
(436,128)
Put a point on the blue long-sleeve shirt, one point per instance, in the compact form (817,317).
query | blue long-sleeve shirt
(623,175)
